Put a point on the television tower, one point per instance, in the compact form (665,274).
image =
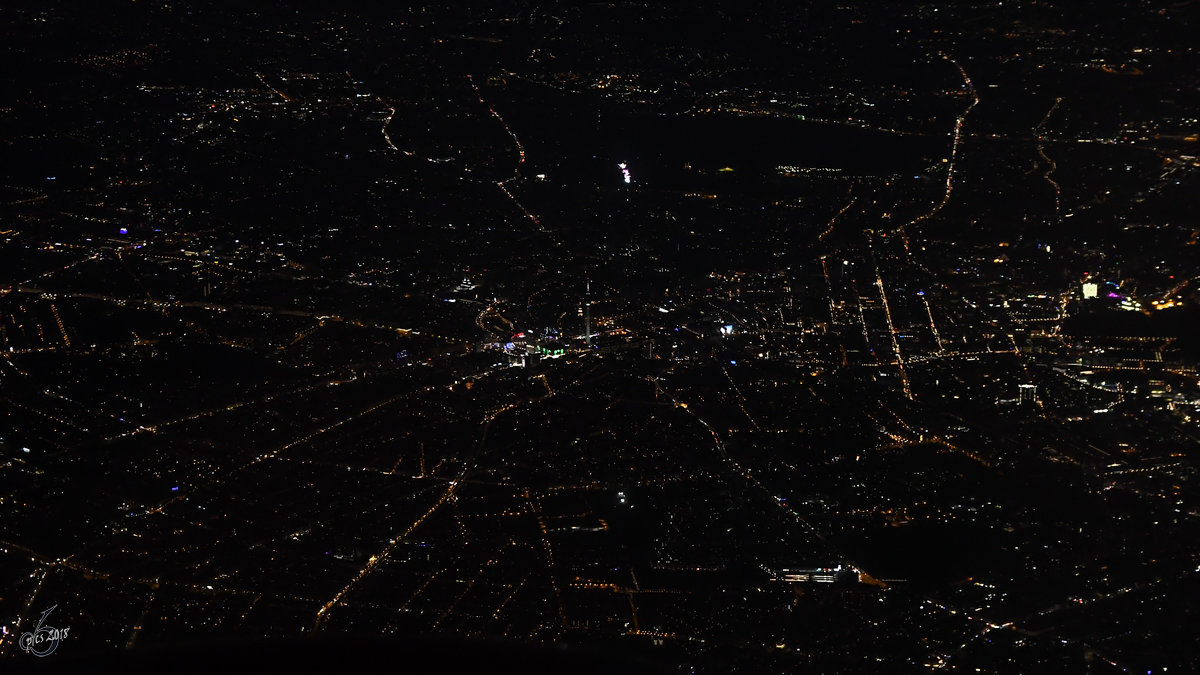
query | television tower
(587,315)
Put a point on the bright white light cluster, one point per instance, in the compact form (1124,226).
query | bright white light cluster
(625,171)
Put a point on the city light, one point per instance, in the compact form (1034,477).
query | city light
(888,364)
(625,173)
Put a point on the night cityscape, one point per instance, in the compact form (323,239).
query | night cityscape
(699,338)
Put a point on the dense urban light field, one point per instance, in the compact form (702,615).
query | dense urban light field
(730,337)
